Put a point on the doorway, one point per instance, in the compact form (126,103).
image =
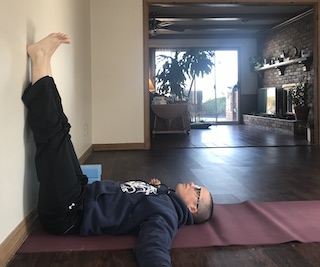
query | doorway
(174,28)
(212,98)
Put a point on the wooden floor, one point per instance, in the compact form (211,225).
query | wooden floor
(226,136)
(235,163)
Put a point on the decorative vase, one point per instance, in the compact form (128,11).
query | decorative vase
(301,113)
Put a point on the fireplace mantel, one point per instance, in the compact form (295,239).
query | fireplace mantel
(281,66)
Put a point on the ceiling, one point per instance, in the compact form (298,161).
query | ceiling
(220,20)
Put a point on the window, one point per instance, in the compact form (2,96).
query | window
(213,98)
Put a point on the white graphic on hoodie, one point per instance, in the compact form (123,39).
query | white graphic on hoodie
(135,187)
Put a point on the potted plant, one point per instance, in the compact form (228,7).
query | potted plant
(299,96)
(255,62)
(171,77)
(197,63)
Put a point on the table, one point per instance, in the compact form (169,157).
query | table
(170,112)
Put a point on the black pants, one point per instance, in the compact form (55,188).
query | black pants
(61,189)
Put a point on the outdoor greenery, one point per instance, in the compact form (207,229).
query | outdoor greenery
(213,108)
(171,77)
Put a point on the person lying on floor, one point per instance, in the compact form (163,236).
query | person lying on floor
(68,205)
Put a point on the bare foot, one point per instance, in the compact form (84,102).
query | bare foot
(47,46)
(41,52)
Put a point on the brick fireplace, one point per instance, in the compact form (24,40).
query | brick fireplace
(283,126)
(297,36)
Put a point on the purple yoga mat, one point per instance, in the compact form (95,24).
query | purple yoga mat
(246,223)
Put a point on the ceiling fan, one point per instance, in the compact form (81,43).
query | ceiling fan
(156,24)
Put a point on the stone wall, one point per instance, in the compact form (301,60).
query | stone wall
(299,34)
(289,127)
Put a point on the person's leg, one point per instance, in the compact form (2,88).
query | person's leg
(58,170)
(41,53)
(83,179)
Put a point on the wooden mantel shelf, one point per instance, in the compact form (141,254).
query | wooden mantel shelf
(281,66)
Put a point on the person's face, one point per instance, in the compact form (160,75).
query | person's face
(189,193)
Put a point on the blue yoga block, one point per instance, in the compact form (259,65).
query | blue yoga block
(92,171)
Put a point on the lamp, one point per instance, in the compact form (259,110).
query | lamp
(151,87)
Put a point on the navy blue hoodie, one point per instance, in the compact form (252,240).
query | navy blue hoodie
(135,207)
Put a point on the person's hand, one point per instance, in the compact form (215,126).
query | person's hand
(155,181)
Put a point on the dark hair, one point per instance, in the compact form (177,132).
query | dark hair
(204,212)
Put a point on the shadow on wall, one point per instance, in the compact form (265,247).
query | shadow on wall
(31,185)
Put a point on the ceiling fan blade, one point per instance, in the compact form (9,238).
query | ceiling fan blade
(174,28)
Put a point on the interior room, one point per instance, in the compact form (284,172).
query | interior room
(269,34)
(103,77)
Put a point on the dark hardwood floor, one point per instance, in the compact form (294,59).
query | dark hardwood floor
(227,136)
(235,163)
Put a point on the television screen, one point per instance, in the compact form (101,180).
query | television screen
(267,100)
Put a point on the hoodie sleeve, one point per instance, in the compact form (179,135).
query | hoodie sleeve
(154,242)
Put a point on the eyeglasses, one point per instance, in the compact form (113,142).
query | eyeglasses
(198,190)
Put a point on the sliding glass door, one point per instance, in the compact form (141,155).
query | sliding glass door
(213,98)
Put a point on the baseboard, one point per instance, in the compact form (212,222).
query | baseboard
(108,147)
(86,155)
(15,239)
(129,146)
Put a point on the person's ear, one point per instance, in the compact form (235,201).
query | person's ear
(193,209)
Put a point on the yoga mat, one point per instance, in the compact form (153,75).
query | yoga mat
(246,223)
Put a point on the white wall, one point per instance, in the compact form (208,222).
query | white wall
(117,72)
(22,22)
(113,41)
